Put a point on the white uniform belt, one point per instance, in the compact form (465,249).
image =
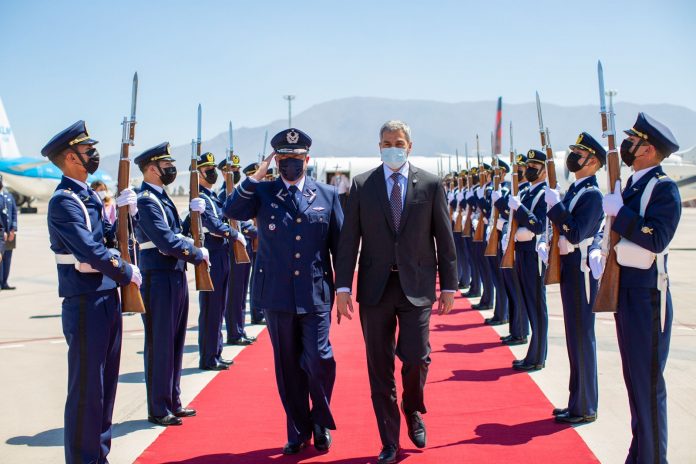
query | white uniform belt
(150,245)
(206,231)
(65,259)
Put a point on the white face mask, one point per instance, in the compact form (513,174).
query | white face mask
(394,157)
(102,194)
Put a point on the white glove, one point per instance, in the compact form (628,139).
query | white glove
(127,197)
(543,252)
(514,202)
(612,202)
(450,196)
(596,263)
(469,194)
(460,197)
(136,277)
(496,195)
(241,239)
(206,255)
(552,196)
(479,193)
(504,242)
(197,205)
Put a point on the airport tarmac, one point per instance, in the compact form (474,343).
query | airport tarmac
(34,367)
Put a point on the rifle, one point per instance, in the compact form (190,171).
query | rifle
(458,222)
(607,299)
(466,230)
(240,253)
(553,270)
(480,231)
(203,281)
(131,300)
(492,245)
(508,261)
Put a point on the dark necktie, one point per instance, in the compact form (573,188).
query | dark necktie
(395,200)
(294,197)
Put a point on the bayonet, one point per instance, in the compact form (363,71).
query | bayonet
(600,77)
(134,96)
(539,116)
(200,117)
(456,152)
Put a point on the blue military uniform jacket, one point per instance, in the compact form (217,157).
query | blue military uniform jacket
(8,211)
(159,223)
(69,234)
(218,233)
(532,219)
(293,271)
(585,220)
(652,232)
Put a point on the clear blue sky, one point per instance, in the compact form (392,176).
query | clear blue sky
(63,61)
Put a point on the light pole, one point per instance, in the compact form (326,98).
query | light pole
(289,98)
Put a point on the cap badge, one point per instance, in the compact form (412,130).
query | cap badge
(579,140)
(292,137)
(235,159)
(209,157)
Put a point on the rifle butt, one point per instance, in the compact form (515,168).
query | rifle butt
(508,261)
(492,245)
(607,300)
(240,253)
(131,299)
(203,281)
(553,271)
(480,231)
(458,223)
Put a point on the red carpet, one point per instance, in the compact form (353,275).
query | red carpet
(479,409)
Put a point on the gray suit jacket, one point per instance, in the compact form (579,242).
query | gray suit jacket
(421,248)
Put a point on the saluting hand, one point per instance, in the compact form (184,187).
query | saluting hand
(344,306)
(263,168)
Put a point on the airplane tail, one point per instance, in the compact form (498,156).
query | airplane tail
(8,145)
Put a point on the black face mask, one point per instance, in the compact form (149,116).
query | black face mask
(92,163)
(573,162)
(291,168)
(236,176)
(628,156)
(211,176)
(520,174)
(532,174)
(167,175)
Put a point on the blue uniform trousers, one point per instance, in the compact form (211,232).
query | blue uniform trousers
(644,347)
(212,307)
(475,284)
(92,327)
(5,267)
(463,269)
(304,368)
(488,290)
(500,312)
(166,298)
(519,321)
(579,323)
(236,300)
(257,314)
(534,297)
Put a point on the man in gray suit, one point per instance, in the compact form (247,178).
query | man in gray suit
(406,240)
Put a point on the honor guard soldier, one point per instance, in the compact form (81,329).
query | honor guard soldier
(164,252)
(219,237)
(529,208)
(480,203)
(578,218)
(240,275)
(463,255)
(470,203)
(646,214)
(8,222)
(88,276)
(299,221)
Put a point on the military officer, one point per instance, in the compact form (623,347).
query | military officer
(218,239)
(478,201)
(8,218)
(469,205)
(578,218)
(164,252)
(646,214)
(529,208)
(299,221)
(88,276)
(463,271)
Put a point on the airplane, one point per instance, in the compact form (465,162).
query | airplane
(30,178)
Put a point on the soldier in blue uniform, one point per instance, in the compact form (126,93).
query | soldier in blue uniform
(218,239)
(164,252)
(8,218)
(299,222)
(88,276)
(646,214)
(480,202)
(519,322)
(529,209)
(454,197)
(465,279)
(578,218)
(469,203)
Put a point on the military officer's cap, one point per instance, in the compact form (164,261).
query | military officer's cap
(586,142)
(270,172)
(655,133)
(463,173)
(74,135)
(206,159)
(520,159)
(234,162)
(486,166)
(536,155)
(504,165)
(251,169)
(474,170)
(291,142)
(158,153)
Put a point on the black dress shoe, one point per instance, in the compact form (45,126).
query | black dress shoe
(388,455)
(471,294)
(165,421)
(217,367)
(524,367)
(185,412)
(515,341)
(517,362)
(294,448)
(559,411)
(241,341)
(493,321)
(505,337)
(227,362)
(480,307)
(9,288)
(416,427)
(567,418)
(322,438)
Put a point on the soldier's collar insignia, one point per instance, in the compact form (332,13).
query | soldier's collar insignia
(292,137)
(187,252)
(566,228)
(647,230)
(114,261)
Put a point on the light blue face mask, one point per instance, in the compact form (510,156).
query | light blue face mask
(394,157)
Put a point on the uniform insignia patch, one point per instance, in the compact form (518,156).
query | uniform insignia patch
(531,221)
(186,252)
(647,230)
(146,193)
(271,226)
(114,261)
(273,205)
(292,137)
(566,228)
